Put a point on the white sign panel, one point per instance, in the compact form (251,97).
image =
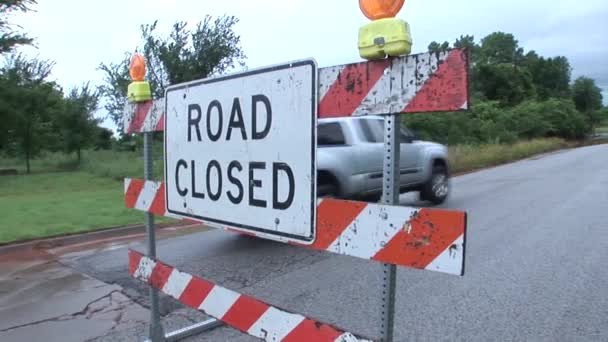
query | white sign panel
(240,151)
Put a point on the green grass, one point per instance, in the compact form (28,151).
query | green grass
(603,129)
(48,204)
(471,157)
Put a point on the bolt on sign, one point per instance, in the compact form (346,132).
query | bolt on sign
(240,151)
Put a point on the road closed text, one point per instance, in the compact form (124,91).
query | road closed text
(211,180)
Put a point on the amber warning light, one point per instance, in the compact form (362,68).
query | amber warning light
(139,90)
(379,9)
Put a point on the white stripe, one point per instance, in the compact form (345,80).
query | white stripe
(144,269)
(348,337)
(375,226)
(176,284)
(450,260)
(144,201)
(127,183)
(153,116)
(400,84)
(275,324)
(219,301)
(465,105)
(327,78)
(129,114)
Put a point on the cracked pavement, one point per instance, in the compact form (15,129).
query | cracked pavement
(40,298)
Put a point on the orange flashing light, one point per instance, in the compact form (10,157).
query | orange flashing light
(137,68)
(380,9)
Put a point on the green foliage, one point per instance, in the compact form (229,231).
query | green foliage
(500,48)
(211,48)
(551,76)
(9,38)
(507,83)
(436,47)
(104,138)
(28,103)
(489,122)
(76,123)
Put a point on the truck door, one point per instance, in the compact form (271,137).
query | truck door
(372,153)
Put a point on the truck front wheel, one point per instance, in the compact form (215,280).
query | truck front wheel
(437,188)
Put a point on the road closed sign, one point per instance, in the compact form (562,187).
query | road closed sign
(240,151)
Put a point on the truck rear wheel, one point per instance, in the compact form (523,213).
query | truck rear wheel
(437,189)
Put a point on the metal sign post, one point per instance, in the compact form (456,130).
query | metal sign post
(390,195)
(156,329)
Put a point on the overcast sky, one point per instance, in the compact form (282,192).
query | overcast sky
(79,34)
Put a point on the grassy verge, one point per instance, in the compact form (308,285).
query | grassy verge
(48,204)
(471,157)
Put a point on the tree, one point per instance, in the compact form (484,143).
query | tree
(103,138)
(29,102)
(9,38)
(587,98)
(504,82)
(436,47)
(499,48)
(76,122)
(211,48)
(551,76)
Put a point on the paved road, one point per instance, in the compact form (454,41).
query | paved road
(536,267)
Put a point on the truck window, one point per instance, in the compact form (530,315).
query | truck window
(373,131)
(330,134)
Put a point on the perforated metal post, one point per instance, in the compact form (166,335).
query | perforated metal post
(156,329)
(390,195)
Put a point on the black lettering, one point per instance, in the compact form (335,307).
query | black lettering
(254,107)
(276,204)
(235,199)
(194,193)
(255,183)
(194,122)
(180,191)
(216,136)
(236,120)
(214,196)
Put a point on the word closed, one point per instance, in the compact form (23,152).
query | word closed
(240,151)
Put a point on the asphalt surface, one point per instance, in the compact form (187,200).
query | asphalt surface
(536,263)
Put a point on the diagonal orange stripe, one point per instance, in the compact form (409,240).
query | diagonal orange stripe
(309,330)
(430,233)
(133,192)
(158,204)
(134,259)
(446,90)
(333,216)
(142,110)
(351,87)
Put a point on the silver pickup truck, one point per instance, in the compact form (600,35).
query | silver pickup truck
(350,158)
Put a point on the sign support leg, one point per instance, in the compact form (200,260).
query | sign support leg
(156,329)
(390,195)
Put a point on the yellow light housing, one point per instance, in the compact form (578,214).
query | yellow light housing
(385,36)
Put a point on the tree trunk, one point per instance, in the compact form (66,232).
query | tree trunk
(78,153)
(27,160)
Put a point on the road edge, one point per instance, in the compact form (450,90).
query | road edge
(78,237)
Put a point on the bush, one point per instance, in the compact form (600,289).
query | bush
(488,122)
